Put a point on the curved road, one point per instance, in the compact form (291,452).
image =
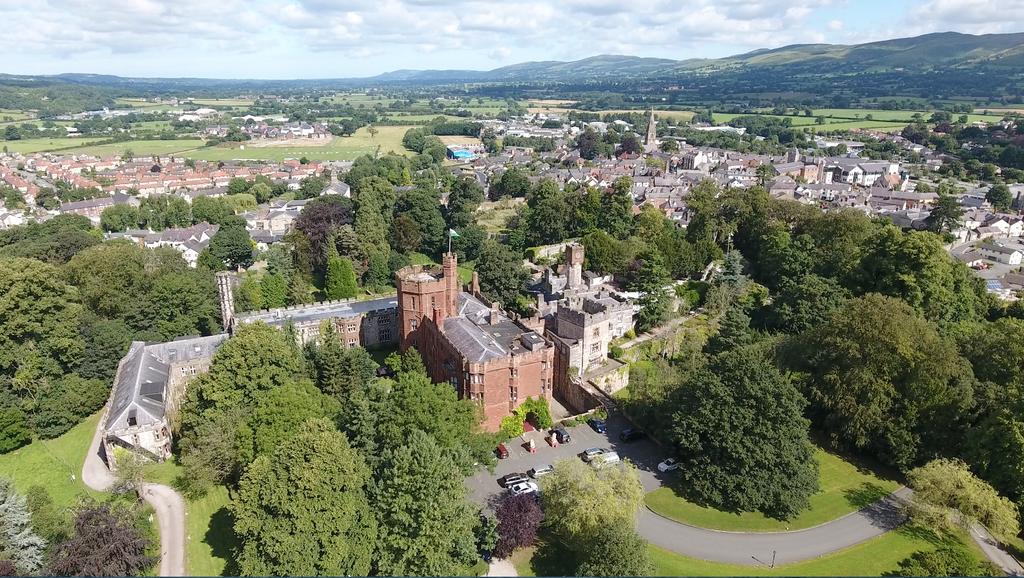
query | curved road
(168,506)
(759,548)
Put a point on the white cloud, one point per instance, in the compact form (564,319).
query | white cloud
(244,37)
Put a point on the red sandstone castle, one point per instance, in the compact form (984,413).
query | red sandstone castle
(467,341)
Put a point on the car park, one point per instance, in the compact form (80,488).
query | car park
(589,454)
(631,434)
(668,465)
(524,488)
(540,471)
(512,479)
(597,425)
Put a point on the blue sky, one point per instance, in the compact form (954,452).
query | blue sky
(348,38)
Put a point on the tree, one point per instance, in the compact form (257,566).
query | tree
(947,495)
(104,543)
(340,282)
(318,222)
(336,368)
(741,437)
(14,432)
(670,146)
(426,524)
(881,379)
(764,172)
(129,472)
(303,509)
(119,218)
(159,212)
(946,561)
(501,273)
(733,332)
(211,210)
(580,500)
(630,144)
(19,543)
(512,183)
(405,234)
(654,309)
(519,518)
(233,246)
(945,214)
(616,552)
(617,208)
(1000,196)
(589,144)
(805,302)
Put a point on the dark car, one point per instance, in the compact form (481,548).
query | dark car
(631,434)
(598,424)
(561,435)
(501,452)
(510,480)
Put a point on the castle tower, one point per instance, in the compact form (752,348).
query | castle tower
(450,267)
(226,293)
(574,265)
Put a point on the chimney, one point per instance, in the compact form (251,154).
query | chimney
(439,317)
(226,293)
(474,287)
(495,306)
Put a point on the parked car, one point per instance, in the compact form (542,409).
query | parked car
(540,471)
(524,488)
(512,479)
(598,424)
(631,434)
(668,465)
(590,454)
(501,452)
(561,435)
(605,459)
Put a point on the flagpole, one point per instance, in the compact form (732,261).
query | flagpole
(449,241)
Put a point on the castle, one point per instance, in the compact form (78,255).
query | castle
(488,356)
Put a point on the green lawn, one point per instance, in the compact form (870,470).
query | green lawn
(209,538)
(871,558)
(845,488)
(389,139)
(54,464)
(35,145)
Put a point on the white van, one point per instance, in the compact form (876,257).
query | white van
(606,459)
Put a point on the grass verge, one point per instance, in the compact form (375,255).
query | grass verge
(845,488)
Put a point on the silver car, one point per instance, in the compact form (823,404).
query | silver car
(590,454)
(540,471)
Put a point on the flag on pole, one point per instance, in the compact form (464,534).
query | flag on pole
(451,235)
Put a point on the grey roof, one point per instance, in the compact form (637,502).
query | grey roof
(327,310)
(142,375)
(478,339)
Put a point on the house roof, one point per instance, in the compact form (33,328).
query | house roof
(141,381)
(318,311)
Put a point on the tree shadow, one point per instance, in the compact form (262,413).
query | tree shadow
(223,542)
(552,558)
(868,493)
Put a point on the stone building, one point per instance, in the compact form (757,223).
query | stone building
(148,387)
(487,356)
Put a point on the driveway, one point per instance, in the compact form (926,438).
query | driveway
(752,549)
(168,506)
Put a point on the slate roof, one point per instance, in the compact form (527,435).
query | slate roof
(479,340)
(142,375)
(318,311)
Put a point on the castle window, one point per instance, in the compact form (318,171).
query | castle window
(351,342)
(351,327)
(383,320)
(384,334)
(595,348)
(515,372)
(513,393)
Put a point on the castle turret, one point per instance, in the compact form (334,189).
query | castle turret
(574,266)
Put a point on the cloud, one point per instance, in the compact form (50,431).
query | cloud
(245,37)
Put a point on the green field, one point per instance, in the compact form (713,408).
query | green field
(54,464)
(237,102)
(140,148)
(845,488)
(35,145)
(341,148)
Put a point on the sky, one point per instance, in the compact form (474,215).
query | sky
(354,38)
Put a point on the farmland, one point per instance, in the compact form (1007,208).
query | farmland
(388,139)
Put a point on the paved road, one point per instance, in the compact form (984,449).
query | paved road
(1002,559)
(167,504)
(752,549)
(501,568)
